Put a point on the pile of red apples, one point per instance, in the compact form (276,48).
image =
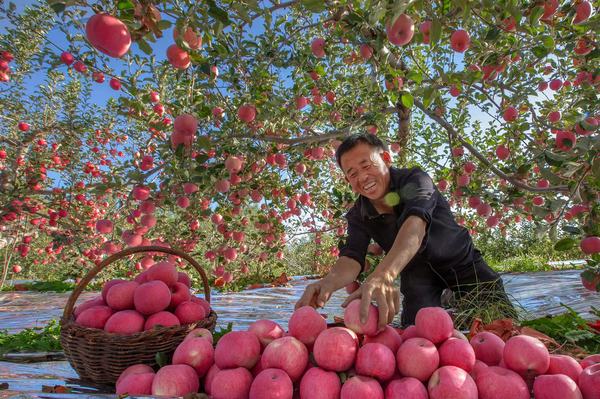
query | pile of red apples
(159,296)
(313,361)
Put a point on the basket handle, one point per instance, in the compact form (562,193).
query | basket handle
(121,254)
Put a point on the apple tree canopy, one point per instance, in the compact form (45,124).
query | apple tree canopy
(212,125)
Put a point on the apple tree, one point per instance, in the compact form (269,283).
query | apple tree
(224,117)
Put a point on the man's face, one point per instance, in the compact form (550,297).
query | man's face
(367,170)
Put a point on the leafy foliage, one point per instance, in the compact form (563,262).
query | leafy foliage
(568,328)
(45,339)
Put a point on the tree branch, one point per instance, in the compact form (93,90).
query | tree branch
(482,158)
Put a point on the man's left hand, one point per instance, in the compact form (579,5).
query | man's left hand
(382,290)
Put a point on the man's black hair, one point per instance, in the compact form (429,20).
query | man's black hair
(356,138)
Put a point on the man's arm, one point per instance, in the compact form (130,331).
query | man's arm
(406,245)
(344,271)
(380,284)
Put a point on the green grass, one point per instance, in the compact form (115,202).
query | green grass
(35,339)
(482,301)
(527,263)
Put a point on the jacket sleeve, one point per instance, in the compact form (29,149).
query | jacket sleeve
(418,195)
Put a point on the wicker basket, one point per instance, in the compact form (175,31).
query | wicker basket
(100,357)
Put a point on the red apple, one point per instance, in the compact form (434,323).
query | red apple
(451,382)
(177,57)
(526,355)
(360,387)
(190,37)
(589,381)
(389,337)
(406,387)
(237,349)
(135,384)
(335,349)
(120,296)
(457,352)
(320,384)
(231,383)
(266,331)
(271,383)
(434,324)
(317,47)
(195,352)
(418,358)
(376,360)
(125,322)
(352,318)
(163,318)
(188,312)
(590,245)
(247,113)
(94,316)
(108,34)
(306,324)
(288,354)
(556,386)
(583,11)
(498,382)
(460,41)
(502,152)
(488,347)
(175,380)
(400,31)
(510,114)
(563,364)
(151,297)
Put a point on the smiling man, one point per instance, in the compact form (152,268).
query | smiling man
(402,211)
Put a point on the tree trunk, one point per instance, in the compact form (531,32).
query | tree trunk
(404,135)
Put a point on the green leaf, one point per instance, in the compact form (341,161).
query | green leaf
(492,34)
(565,244)
(436,31)
(125,5)
(548,42)
(407,100)
(218,13)
(553,159)
(572,230)
(428,96)
(535,15)
(446,5)
(415,76)
(204,67)
(540,51)
(596,168)
(164,24)
(161,359)
(222,331)
(314,5)
(144,46)
(57,5)
(203,142)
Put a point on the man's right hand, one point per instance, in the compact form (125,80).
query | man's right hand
(316,294)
